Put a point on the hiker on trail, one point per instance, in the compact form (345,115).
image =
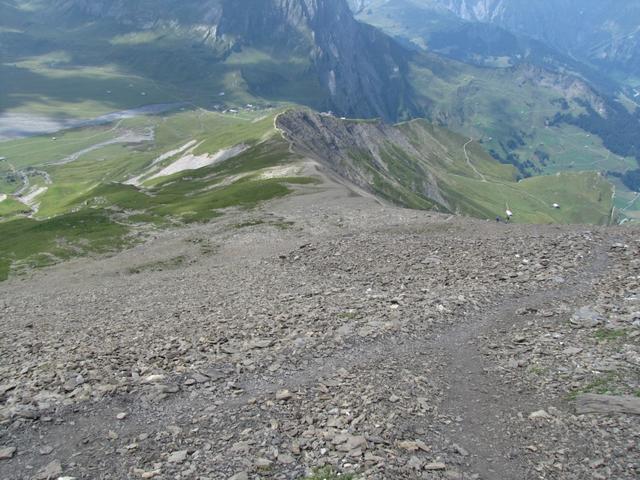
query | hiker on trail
(509,215)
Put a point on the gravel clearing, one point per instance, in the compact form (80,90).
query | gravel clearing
(325,329)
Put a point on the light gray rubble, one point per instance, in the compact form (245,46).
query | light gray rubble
(327,330)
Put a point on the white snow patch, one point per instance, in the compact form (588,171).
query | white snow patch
(194,162)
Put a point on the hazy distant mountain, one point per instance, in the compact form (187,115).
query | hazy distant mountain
(224,53)
(602,32)
(361,71)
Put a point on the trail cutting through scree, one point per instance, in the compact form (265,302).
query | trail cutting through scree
(470,393)
(322,329)
(478,394)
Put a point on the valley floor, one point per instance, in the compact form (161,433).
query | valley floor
(327,330)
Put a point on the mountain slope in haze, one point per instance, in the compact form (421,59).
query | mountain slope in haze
(532,104)
(431,26)
(305,51)
(605,33)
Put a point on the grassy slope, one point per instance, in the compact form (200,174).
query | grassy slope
(494,105)
(88,209)
(584,197)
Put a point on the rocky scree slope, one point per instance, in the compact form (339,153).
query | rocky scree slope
(342,342)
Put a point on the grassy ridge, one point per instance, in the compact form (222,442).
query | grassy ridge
(40,243)
(448,172)
(87,208)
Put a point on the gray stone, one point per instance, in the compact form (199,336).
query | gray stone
(606,404)
(240,476)
(586,317)
(7,452)
(52,470)
(540,415)
(283,395)
(178,457)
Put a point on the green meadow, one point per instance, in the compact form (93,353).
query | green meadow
(87,207)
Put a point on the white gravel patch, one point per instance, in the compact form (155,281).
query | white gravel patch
(29,199)
(194,162)
(137,180)
(279,172)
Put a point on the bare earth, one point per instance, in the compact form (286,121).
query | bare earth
(391,343)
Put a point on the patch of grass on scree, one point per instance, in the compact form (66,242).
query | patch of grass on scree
(329,474)
(41,243)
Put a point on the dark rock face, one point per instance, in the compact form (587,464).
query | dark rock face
(361,70)
(340,145)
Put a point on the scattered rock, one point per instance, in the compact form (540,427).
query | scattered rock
(586,317)
(607,404)
(7,452)
(178,457)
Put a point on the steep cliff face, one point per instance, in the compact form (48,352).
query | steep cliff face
(361,70)
(374,156)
